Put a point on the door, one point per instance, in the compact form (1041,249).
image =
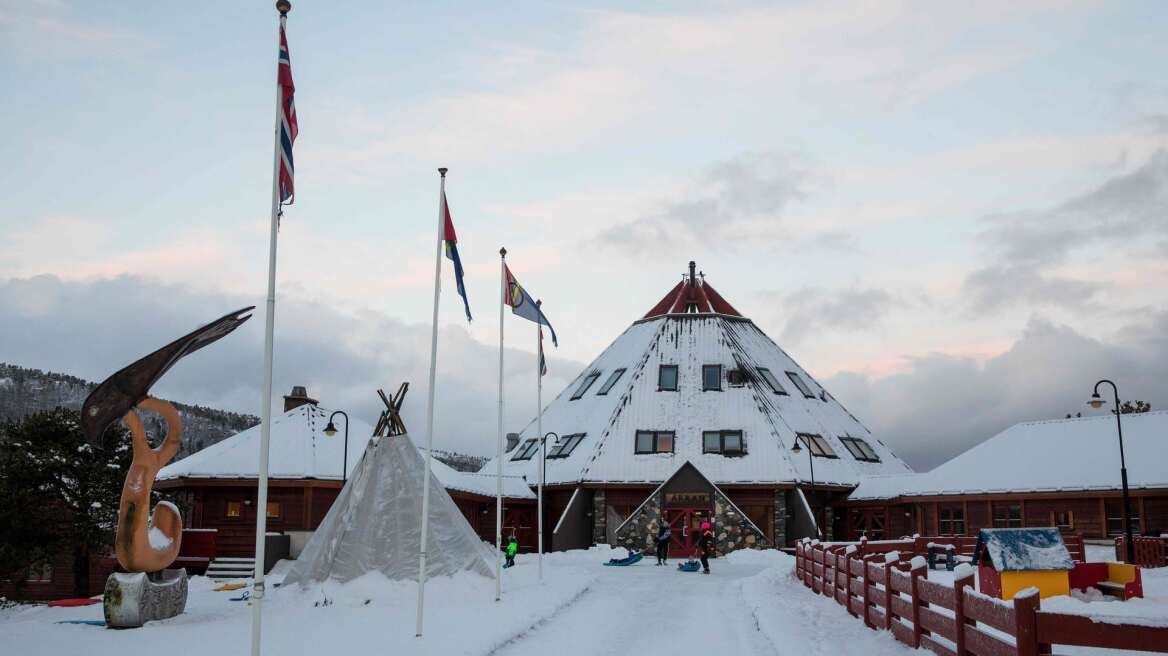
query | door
(685,528)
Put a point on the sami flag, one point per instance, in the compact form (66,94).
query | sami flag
(451,240)
(522,305)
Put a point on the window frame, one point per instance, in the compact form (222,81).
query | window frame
(613,379)
(816,442)
(567,445)
(801,384)
(656,436)
(526,450)
(1069,525)
(44,573)
(279,510)
(1117,518)
(860,449)
(238,509)
(585,385)
(768,377)
(705,386)
(676,377)
(1008,520)
(951,517)
(722,435)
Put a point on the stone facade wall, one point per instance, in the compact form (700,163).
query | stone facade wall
(780,519)
(599,518)
(732,529)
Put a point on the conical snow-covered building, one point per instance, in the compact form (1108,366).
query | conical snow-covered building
(691,415)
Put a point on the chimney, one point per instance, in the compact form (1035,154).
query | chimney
(297,398)
(512,441)
(692,268)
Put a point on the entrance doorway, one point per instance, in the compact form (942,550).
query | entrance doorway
(685,526)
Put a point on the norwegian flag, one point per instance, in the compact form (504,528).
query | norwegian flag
(288,128)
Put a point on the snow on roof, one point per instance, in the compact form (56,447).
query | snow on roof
(1025,549)
(300,449)
(768,421)
(1044,456)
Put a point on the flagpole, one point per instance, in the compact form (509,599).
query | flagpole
(430,401)
(499,450)
(257,598)
(539,432)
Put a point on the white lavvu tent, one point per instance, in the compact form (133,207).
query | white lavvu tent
(374,525)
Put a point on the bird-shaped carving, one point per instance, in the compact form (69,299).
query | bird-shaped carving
(148,542)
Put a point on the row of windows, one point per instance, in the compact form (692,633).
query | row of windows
(563,449)
(821,448)
(234,510)
(725,442)
(951,519)
(667,381)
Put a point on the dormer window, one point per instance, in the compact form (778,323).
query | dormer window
(818,445)
(612,378)
(526,450)
(654,442)
(727,442)
(860,449)
(712,377)
(772,382)
(667,378)
(588,380)
(568,443)
(800,384)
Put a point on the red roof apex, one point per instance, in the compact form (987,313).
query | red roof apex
(693,295)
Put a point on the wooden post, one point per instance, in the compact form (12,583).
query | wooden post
(887,596)
(959,619)
(1026,624)
(865,582)
(915,575)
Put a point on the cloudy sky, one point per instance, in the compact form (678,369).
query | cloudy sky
(956,218)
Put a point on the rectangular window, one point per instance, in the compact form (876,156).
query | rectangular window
(40,573)
(667,378)
(1115,518)
(654,442)
(736,378)
(802,386)
(526,450)
(772,381)
(711,377)
(725,442)
(612,378)
(1064,520)
(567,444)
(860,449)
(952,520)
(273,510)
(588,380)
(234,509)
(1007,515)
(819,446)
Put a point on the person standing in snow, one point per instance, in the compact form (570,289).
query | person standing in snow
(663,535)
(706,546)
(511,548)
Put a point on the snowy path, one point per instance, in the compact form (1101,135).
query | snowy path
(747,606)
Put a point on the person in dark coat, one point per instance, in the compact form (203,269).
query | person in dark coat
(663,535)
(706,546)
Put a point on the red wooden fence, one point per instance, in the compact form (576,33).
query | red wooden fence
(889,592)
(1150,551)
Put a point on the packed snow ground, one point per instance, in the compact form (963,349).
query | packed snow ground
(750,604)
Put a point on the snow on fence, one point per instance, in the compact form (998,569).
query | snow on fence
(890,590)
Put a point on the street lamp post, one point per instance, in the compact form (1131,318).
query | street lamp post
(811,463)
(331,430)
(1098,402)
(542,478)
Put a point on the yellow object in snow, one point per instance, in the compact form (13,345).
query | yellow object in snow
(228,587)
(1050,583)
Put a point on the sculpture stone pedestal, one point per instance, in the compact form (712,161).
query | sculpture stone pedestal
(133,599)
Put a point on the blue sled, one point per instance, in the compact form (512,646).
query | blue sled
(632,559)
(691,566)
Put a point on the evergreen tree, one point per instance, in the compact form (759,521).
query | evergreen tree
(1134,407)
(58,492)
